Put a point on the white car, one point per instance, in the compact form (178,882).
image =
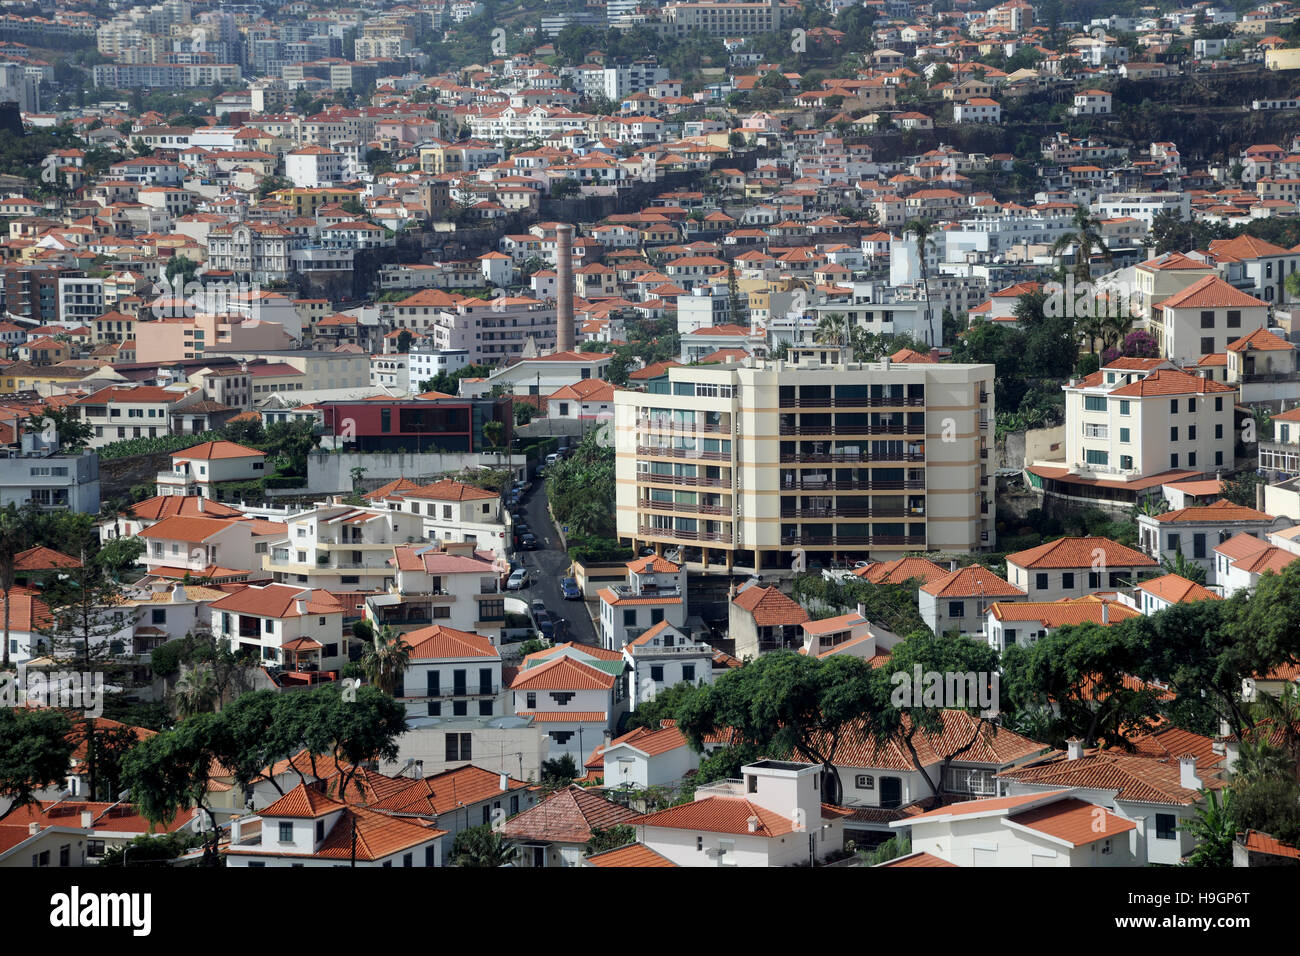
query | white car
(518,579)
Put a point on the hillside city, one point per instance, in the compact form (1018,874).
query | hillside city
(649,433)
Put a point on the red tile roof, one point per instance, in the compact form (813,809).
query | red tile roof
(1074,821)
(719,815)
(440,642)
(974,580)
(1080,553)
(210,450)
(567,816)
(634,854)
(769,607)
(901,570)
(563,673)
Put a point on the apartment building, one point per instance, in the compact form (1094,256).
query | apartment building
(655,592)
(341,547)
(721,19)
(1204,317)
(1137,418)
(453,672)
(454,586)
(116,413)
(761,464)
(451,511)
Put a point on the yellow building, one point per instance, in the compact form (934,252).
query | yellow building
(304,202)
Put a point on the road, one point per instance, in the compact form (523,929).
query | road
(547,565)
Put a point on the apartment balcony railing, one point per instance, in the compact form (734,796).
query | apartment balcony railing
(675,535)
(683,480)
(671,425)
(817,484)
(853,403)
(681,508)
(851,430)
(451,692)
(663,451)
(677,650)
(812,458)
(818,513)
(855,541)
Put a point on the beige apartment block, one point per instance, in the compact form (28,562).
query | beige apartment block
(763,464)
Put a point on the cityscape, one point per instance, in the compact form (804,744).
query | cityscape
(651,434)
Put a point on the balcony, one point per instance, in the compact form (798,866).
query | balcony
(807,458)
(823,484)
(853,403)
(672,425)
(624,591)
(854,541)
(671,534)
(490,690)
(648,504)
(820,513)
(851,430)
(646,477)
(663,451)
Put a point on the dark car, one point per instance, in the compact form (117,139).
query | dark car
(521,528)
(570,590)
(545,625)
(528,542)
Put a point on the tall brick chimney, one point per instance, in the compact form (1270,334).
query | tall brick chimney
(564,287)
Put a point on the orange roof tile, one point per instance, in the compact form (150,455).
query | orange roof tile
(563,673)
(769,607)
(1080,553)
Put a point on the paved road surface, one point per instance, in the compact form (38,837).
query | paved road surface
(547,565)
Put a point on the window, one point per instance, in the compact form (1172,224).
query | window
(1207,319)
(1094,456)
(629,617)
(1094,580)
(688,673)
(532,699)
(1067,580)
(956,608)
(1191,433)
(1124,436)
(656,672)
(1175,542)
(1166,826)
(1173,434)
(1207,345)
(1173,406)
(1173,461)
(1218,404)
(1198,546)
(1123,406)
(320,830)
(1125,462)
(1040,582)
(286,832)
(1094,403)
(458,747)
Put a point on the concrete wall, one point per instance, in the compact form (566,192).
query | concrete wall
(329,473)
(1017,449)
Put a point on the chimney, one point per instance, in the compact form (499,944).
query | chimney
(87,820)
(952,565)
(178,594)
(862,610)
(1105,611)
(1187,778)
(564,287)
(33,828)
(200,504)
(753,824)
(419,769)
(301,606)
(505,783)
(609,741)
(934,354)
(1074,748)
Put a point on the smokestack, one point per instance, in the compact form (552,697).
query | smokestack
(564,287)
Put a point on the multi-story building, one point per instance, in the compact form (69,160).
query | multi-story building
(762,464)
(201,470)
(1137,418)
(416,425)
(453,585)
(145,411)
(451,511)
(574,693)
(663,657)
(1076,567)
(254,252)
(655,591)
(341,547)
(1204,317)
(453,672)
(1195,531)
(721,19)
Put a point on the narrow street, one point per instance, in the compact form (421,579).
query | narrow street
(546,566)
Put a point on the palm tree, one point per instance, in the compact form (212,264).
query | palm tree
(1184,568)
(482,846)
(1086,241)
(1257,759)
(196,691)
(923,231)
(1213,829)
(832,329)
(1114,328)
(1283,711)
(385,660)
(13,541)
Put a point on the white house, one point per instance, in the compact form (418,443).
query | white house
(663,657)
(197,470)
(655,591)
(451,671)
(1091,103)
(1194,531)
(297,628)
(1074,567)
(958,600)
(574,693)
(450,511)
(1027,622)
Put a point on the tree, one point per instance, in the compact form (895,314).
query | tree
(559,771)
(14,535)
(832,329)
(494,433)
(662,706)
(524,412)
(59,427)
(610,838)
(482,846)
(385,660)
(1213,829)
(922,231)
(196,692)
(1240,488)
(118,555)
(182,267)
(151,849)
(404,341)
(35,747)
(1086,241)
(1184,568)
(1270,805)
(786,702)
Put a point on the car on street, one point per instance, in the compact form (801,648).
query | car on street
(545,623)
(570,590)
(518,579)
(528,542)
(537,605)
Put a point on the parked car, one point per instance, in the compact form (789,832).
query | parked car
(528,542)
(545,625)
(518,579)
(646,552)
(521,528)
(569,588)
(537,605)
